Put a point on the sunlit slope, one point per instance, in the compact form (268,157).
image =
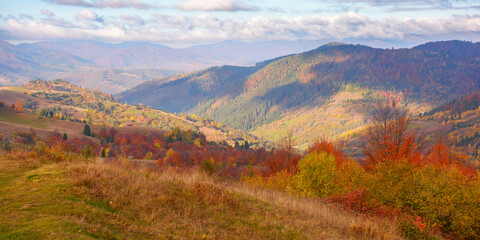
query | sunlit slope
(287,88)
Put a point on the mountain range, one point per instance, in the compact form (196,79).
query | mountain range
(328,91)
(113,68)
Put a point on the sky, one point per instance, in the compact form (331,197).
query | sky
(179,23)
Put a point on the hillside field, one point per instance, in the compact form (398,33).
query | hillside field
(86,200)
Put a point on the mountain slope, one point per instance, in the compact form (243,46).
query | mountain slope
(283,88)
(136,54)
(17,63)
(183,93)
(89,63)
(249,53)
(22,63)
(460,119)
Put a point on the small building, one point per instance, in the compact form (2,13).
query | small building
(5,140)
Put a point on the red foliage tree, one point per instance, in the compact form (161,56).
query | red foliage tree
(440,155)
(326,146)
(285,158)
(103,133)
(55,140)
(388,140)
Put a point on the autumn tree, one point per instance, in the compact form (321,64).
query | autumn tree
(172,158)
(55,139)
(112,132)
(441,155)
(87,151)
(19,105)
(387,138)
(323,145)
(174,135)
(284,158)
(103,133)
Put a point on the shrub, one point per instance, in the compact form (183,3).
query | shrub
(210,167)
(324,145)
(282,181)
(411,231)
(442,195)
(317,175)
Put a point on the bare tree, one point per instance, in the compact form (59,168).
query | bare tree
(285,157)
(387,138)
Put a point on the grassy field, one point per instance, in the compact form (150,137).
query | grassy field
(14,88)
(23,119)
(78,200)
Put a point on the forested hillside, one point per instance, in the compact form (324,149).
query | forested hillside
(460,119)
(64,101)
(286,88)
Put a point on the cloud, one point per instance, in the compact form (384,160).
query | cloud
(412,5)
(104,3)
(213,5)
(202,28)
(87,15)
(26,16)
(47,13)
(133,19)
(444,3)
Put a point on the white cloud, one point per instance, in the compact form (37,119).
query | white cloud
(203,28)
(47,13)
(213,5)
(104,3)
(88,15)
(410,5)
(133,19)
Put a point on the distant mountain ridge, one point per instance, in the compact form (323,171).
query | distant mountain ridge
(116,67)
(283,90)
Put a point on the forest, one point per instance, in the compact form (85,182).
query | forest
(249,97)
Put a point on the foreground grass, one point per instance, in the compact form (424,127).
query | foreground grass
(78,200)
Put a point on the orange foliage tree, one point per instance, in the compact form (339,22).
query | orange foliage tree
(19,105)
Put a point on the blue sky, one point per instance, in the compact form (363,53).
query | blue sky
(187,22)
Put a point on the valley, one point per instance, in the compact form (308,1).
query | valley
(303,93)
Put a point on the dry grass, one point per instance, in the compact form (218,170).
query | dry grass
(220,209)
(79,200)
(313,213)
